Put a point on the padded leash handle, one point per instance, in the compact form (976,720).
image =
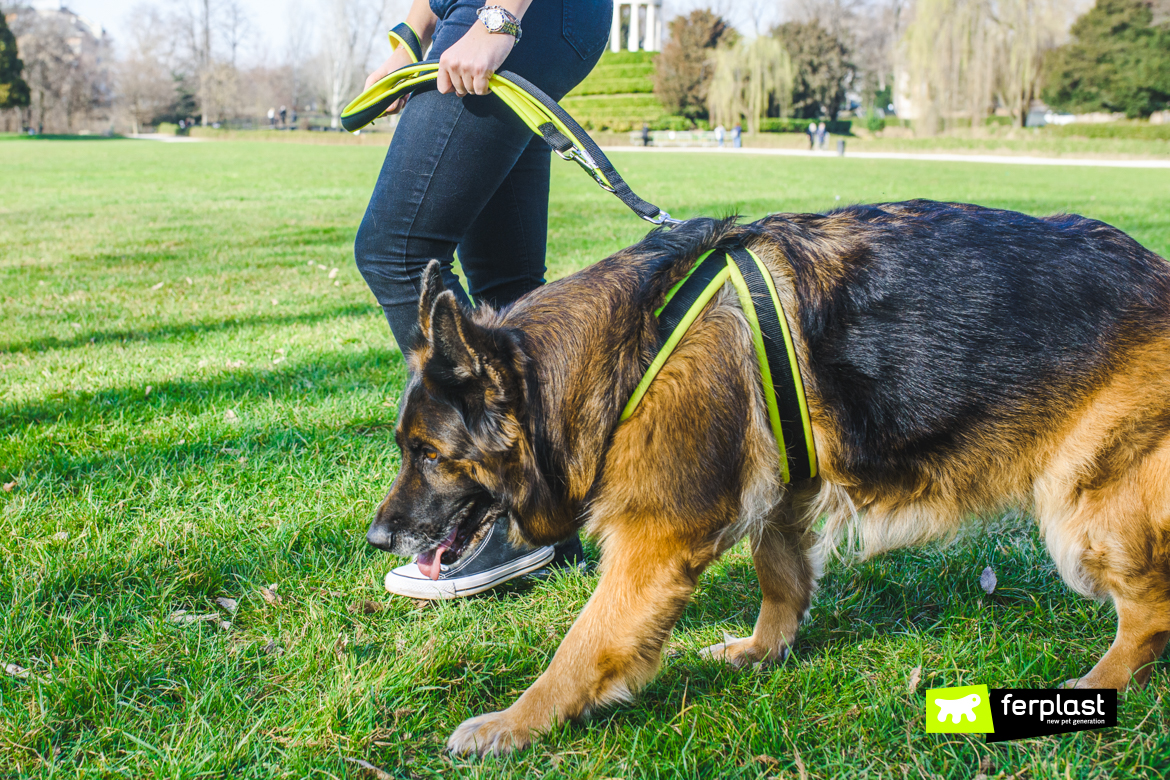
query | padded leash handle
(541,113)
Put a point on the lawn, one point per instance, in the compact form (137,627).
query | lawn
(196,400)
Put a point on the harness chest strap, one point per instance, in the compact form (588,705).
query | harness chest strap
(775,351)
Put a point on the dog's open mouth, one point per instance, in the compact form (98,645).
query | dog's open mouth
(467,533)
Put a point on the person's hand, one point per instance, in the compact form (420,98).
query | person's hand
(399,59)
(466,67)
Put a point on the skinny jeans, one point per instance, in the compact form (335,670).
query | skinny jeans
(466,175)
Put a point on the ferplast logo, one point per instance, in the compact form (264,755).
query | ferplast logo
(964,710)
(1018,713)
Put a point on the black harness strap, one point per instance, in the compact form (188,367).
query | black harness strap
(676,308)
(783,381)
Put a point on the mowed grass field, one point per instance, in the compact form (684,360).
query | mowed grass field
(196,401)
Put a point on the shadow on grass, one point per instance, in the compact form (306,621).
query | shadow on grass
(188,329)
(58,137)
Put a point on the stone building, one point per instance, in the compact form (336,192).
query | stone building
(645,25)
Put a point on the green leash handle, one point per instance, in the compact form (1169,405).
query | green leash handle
(541,113)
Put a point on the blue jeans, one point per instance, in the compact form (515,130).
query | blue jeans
(466,175)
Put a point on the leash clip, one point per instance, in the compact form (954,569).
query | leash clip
(582,158)
(662,218)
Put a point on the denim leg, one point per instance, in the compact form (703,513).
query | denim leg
(503,252)
(448,158)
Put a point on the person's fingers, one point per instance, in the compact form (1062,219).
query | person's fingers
(443,80)
(479,84)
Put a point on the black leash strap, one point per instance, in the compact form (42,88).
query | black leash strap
(589,155)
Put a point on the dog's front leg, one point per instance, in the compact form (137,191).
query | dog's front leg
(612,649)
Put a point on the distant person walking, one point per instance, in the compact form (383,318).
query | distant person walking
(736,136)
(272,117)
(645,134)
(719,133)
(283,116)
(821,135)
(812,135)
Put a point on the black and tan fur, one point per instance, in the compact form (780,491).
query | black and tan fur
(957,361)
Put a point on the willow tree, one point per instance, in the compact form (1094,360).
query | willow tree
(750,78)
(965,56)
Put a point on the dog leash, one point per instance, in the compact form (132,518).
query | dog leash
(536,109)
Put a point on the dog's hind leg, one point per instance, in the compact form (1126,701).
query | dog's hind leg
(780,551)
(649,572)
(1116,542)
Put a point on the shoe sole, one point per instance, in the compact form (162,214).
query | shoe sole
(440,589)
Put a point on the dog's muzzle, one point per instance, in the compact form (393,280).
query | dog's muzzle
(380,536)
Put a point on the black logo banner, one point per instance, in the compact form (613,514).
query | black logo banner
(1019,713)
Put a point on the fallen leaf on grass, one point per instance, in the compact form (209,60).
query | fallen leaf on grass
(987,580)
(366,608)
(421,603)
(225,625)
(15,670)
(270,595)
(235,364)
(915,678)
(231,416)
(767,760)
(8,486)
(277,360)
(189,282)
(61,536)
(366,765)
(158,286)
(272,646)
(229,604)
(333,274)
(184,618)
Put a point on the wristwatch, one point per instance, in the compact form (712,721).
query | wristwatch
(499,20)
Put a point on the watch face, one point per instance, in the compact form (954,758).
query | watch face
(494,20)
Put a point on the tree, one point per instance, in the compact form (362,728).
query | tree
(750,79)
(821,68)
(965,56)
(684,68)
(348,42)
(13,88)
(1119,60)
(146,88)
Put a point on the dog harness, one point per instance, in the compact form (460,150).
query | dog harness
(775,352)
(779,370)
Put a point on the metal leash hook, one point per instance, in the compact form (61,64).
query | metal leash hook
(582,158)
(662,218)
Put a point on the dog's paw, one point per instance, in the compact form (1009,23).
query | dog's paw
(741,652)
(493,734)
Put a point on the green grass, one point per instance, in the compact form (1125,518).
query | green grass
(192,408)
(618,95)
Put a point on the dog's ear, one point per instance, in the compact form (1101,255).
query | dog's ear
(470,350)
(432,286)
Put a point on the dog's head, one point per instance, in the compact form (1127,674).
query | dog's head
(459,433)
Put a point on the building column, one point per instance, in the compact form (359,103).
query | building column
(651,27)
(633,42)
(615,29)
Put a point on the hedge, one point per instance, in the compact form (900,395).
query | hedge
(775,125)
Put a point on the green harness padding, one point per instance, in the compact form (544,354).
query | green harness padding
(775,352)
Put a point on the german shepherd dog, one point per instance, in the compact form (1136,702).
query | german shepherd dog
(957,361)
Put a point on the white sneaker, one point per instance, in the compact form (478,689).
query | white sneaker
(492,562)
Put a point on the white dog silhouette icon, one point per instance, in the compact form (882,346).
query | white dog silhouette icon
(958,709)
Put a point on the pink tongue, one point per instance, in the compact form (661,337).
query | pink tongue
(429,563)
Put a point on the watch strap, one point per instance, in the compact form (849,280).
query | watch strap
(510,26)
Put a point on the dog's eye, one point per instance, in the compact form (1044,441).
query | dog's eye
(430,454)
